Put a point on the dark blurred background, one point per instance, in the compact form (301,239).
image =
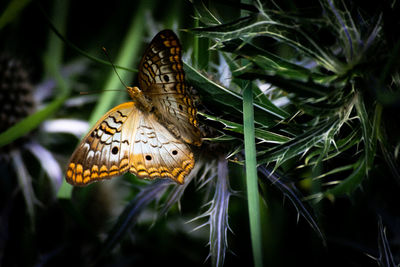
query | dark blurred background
(67,232)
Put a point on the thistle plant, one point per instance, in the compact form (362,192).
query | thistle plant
(336,69)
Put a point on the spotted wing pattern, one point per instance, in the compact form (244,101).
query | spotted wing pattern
(157,153)
(148,136)
(127,139)
(162,79)
(104,151)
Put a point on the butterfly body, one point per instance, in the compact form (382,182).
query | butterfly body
(150,135)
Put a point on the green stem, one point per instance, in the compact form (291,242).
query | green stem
(253,199)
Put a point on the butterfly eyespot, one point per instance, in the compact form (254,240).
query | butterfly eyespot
(148,157)
(166,78)
(114,150)
(92,134)
(174,152)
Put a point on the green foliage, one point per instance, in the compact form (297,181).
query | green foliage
(334,109)
(327,84)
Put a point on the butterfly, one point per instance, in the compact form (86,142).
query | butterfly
(149,136)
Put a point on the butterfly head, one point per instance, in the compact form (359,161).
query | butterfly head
(142,101)
(133,91)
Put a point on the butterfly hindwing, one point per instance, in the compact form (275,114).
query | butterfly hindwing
(162,79)
(104,151)
(156,153)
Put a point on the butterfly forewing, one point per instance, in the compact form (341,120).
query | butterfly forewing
(162,79)
(104,151)
(128,139)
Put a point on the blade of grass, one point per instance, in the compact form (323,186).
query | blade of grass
(251,175)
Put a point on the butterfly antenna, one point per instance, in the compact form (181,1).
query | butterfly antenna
(112,64)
